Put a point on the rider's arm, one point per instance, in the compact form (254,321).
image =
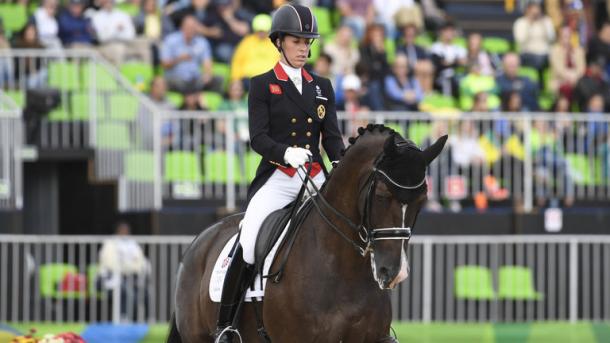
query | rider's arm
(258,118)
(331,136)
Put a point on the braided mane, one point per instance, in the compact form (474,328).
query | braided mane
(362,131)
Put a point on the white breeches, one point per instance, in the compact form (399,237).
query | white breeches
(276,193)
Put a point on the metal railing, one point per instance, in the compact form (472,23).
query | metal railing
(452,278)
(11,140)
(527,158)
(99,111)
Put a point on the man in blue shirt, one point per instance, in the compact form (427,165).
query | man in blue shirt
(187,59)
(510,81)
(74,28)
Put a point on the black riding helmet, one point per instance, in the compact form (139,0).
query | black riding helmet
(294,20)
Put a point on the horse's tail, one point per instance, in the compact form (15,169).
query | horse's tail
(174,335)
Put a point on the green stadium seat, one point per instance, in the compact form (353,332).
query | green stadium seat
(112,136)
(139,74)
(80,106)
(131,9)
(546,101)
(252,161)
(315,51)
(59,115)
(585,171)
(122,107)
(517,283)
(419,132)
(17,96)
(424,40)
(437,102)
(182,166)
(223,70)
(216,167)
(323,16)
(460,41)
(103,80)
(473,283)
(390,49)
(175,99)
(396,127)
(140,166)
(493,102)
(530,73)
(14,17)
(92,276)
(50,277)
(64,76)
(212,100)
(496,45)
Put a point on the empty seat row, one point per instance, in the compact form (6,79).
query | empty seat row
(473,282)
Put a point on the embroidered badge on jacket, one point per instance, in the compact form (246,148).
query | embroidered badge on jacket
(275,89)
(318,91)
(321,111)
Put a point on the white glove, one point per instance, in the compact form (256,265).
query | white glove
(296,157)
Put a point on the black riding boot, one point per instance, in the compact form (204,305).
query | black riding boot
(236,283)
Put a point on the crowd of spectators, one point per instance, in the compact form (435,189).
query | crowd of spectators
(387,44)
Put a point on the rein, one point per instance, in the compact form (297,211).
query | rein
(365,232)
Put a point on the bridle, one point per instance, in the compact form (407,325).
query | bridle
(366,233)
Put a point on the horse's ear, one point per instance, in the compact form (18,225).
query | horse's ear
(390,146)
(435,149)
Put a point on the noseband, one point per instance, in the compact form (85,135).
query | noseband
(367,234)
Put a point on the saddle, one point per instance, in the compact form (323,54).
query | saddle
(272,228)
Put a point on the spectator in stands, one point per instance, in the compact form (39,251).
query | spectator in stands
(512,102)
(561,105)
(446,57)
(122,263)
(534,33)
(148,21)
(187,59)
(402,91)
(352,103)
(597,128)
(408,47)
(29,68)
(475,82)
(509,81)
(197,8)
(343,52)
(46,24)
(393,13)
(424,73)
(373,99)
(434,17)
(322,67)
(593,82)
(192,100)
(356,14)
(224,14)
(116,35)
(255,54)
(480,102)
(373,54)
(567,64)
(599,46)
(475,55)
(75,31)
(158,93)
(6,63)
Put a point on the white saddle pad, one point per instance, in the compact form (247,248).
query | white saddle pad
(222,265)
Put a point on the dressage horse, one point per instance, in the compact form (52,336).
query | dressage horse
(350,250)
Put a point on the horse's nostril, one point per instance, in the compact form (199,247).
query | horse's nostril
(383,271)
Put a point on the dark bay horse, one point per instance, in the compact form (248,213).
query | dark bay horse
(337,278)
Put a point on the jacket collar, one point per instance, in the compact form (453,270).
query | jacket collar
(281,75)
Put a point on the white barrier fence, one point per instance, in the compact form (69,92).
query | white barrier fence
(452,278)
(99,111)
(11,128)
(527,158)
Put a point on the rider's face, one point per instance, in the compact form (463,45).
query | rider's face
(296,50)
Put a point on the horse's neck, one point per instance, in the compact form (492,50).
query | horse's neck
(342,193)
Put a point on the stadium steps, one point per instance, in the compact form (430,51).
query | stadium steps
(488,17)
